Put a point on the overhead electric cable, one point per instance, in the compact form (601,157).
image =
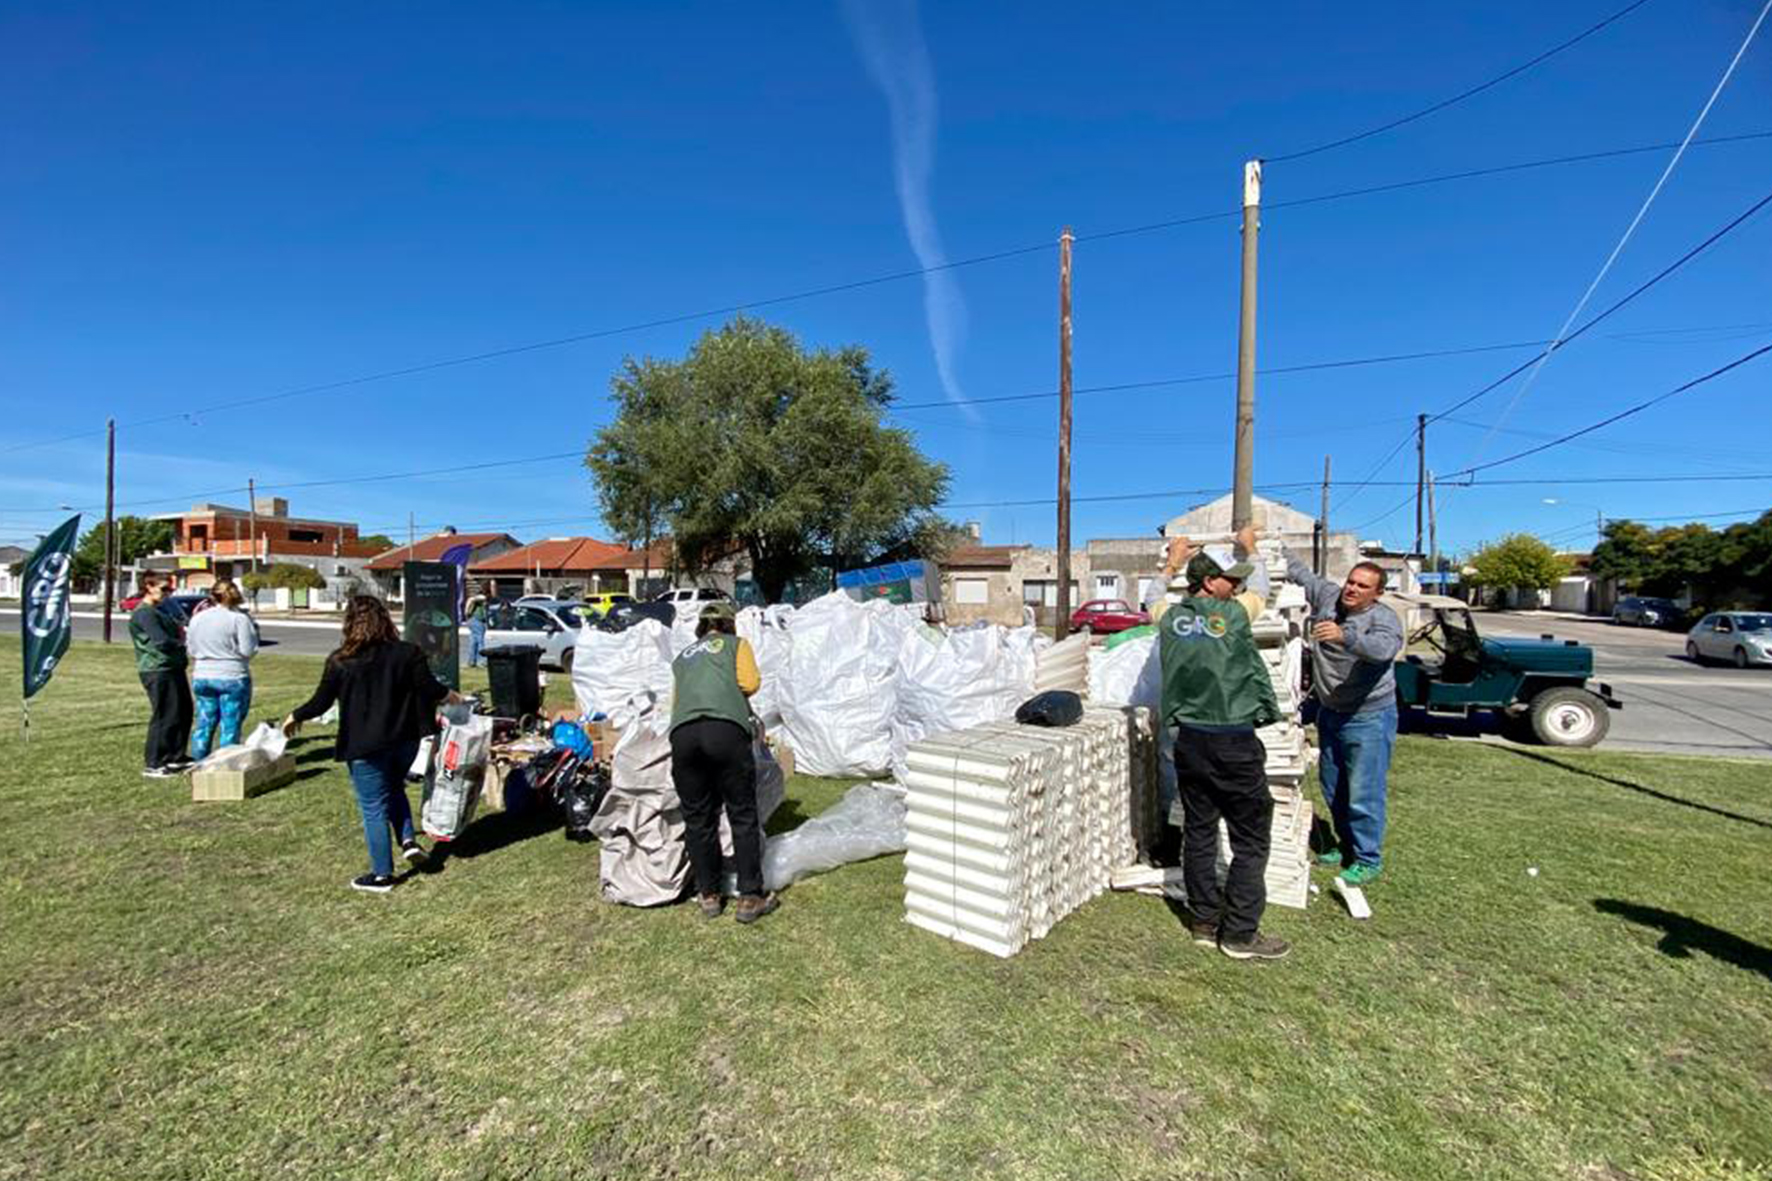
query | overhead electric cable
(811,293)
(1631,229)
(1462,95)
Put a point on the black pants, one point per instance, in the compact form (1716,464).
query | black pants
(169,729)
(1224,775)
(712,766)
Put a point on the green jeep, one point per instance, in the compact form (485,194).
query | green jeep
(1543,687)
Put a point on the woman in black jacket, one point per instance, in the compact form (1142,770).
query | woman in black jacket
(387,701)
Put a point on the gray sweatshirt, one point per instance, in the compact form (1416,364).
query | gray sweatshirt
(221,641)
(1356,674)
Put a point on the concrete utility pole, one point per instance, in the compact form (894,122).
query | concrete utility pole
(1433,532)
(252,516)
(1243,485)
(1323,522)
(1420,474)
(1063,625)
(110,524)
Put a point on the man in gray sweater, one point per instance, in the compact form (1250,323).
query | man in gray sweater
(1354,642)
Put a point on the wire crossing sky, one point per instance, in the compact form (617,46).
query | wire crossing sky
(386,262)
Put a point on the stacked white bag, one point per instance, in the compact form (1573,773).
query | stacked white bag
(837,700)
(766,630)
(608,668)
(957,679)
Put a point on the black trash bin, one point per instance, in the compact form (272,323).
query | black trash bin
(515,675)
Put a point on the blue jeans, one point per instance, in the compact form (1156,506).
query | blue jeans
(219,701)
(1356,759)
(380,780)
(476,641)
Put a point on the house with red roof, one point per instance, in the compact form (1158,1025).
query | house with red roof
(388,567)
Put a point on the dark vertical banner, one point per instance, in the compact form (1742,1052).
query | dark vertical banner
(45,615)
(433,615)
(457,556)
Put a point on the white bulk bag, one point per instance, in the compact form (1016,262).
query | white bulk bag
(610,667)
(958,679)
(837,700)
(1129,673)
(765,629)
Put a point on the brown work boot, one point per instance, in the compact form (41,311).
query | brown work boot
(711,905)
(1203,933)
(752,907)
(1256,947)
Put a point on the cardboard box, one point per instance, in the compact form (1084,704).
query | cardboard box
(242,785)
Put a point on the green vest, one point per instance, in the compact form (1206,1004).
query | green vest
(1213,674)
(706,683)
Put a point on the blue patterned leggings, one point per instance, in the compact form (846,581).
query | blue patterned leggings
(223,702)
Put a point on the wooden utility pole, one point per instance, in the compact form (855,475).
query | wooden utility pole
(1243,484)
(1323,522)
(252,515)
(1420,475)
(1063,623)
(111,546)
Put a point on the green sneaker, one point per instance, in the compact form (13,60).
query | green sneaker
(1331,857)
(1361,873)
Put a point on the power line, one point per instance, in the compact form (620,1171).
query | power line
(1631,229)
(1622,414)
(858,284)
(1551,346)
(1461,96)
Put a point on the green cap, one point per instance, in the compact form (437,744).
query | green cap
(718,610)
(1203,565)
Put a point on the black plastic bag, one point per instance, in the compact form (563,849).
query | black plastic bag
(580,797)
(1055,707)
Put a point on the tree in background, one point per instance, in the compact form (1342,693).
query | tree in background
(137,537)
(752,441)
(1730,568)
(381,541)
(282,576)
(1518,560)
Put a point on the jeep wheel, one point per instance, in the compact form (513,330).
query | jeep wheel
(1569,717)
(1693,654)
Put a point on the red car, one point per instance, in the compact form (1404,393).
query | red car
(1106,616)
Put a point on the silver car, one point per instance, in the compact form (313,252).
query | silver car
(547,624)
(1741,637)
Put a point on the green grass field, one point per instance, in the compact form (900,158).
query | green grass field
(190,991)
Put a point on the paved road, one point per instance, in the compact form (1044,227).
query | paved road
(1670,704)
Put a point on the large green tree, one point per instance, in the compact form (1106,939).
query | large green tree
(756,442)
(137,537)
(1733,566)
(1518,560)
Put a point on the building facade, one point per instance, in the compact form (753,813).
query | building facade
(215,541)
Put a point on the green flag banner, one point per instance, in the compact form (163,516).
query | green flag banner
(45,616)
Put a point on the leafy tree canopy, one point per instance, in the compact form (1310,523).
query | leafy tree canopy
(283,576)
(1734,565)
(1517,560)
(137,537)
(381,541)
(756,442)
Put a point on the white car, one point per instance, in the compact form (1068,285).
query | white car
(547,624)
(683,597)
(1741,637)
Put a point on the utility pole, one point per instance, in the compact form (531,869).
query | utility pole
(1243,485)
(1323,522)
(110,524)
(1433,531)
(1420,475)
(252,516)
(411,536)
(1063,623)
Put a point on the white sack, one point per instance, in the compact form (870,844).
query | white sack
(641,858)
(958,679)
(610,667)
(262,748)
(766,630)
(454,777)
(1129,673)
(837,701)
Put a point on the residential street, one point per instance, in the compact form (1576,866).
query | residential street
(1670,704)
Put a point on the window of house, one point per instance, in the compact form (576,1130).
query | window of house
(1043,592)
(972,590)
(309,535)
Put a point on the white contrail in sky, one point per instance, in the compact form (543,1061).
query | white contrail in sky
(890,38)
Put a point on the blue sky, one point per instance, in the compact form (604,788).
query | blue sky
(200,204)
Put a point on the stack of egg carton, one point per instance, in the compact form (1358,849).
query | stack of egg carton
(1279,634)
(1011,828)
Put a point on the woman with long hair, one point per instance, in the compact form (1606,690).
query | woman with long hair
(387,701)
(222,641)
(712,766)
